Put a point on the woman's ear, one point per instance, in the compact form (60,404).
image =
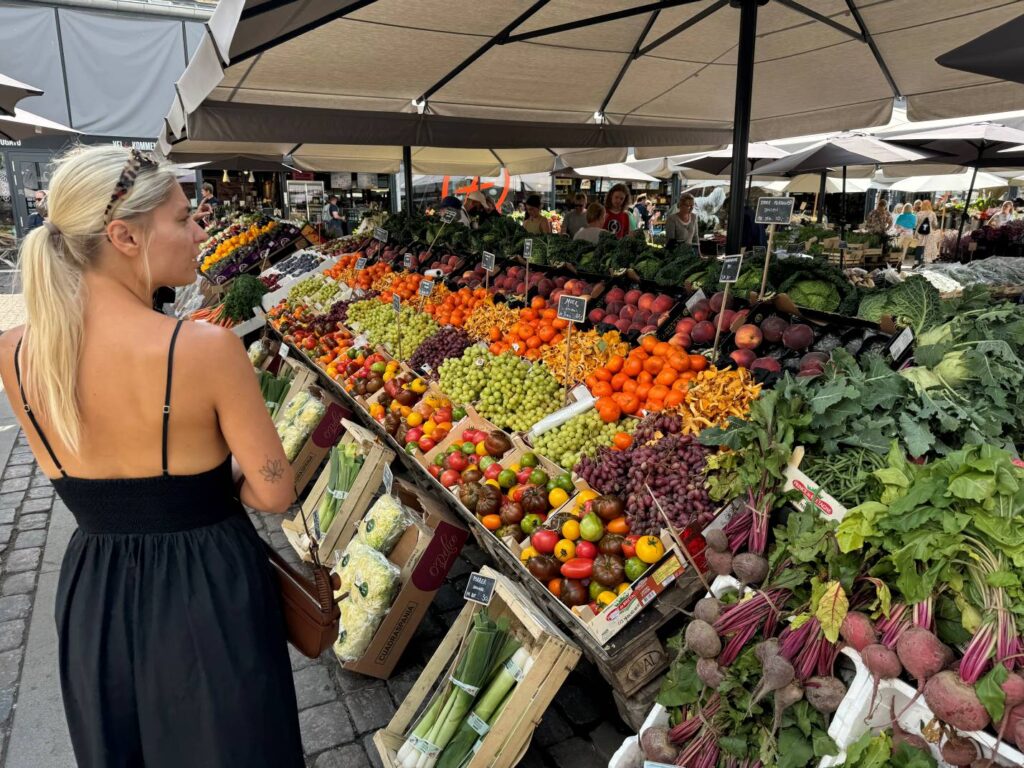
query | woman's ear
(124,237)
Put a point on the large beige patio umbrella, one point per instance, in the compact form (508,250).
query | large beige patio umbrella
(764,68)
(12,91)
(24,125)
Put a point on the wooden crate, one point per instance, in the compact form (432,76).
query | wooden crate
(376,456)
(554,657)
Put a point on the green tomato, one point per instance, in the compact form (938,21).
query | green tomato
(529,460)
(507,479)
(439,459)
(635,568)
(486,461)
(411,448)
(468,448)
(564,481)
(530,523)
(538,477)
(595,589)
(458,414)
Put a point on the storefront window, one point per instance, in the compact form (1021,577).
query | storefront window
(6,208)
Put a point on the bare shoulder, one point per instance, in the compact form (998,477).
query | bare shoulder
(10,338)
(210,346)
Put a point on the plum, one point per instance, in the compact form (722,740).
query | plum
(703,332)
(773,327)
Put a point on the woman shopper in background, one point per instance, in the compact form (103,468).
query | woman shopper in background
(535,223)
(928,234)
(681,227)
(617,219)
(172,642)
(595,224)
(576,218)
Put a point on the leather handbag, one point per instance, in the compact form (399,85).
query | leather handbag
(310,611)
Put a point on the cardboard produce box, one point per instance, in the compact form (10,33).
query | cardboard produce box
(424,554)
(326,433)
(376,457)
(553,656)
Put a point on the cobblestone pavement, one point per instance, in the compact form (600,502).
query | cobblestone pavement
(339,710)
(12,308)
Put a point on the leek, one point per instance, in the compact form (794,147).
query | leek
(477,723)
(487,647)
(345,463)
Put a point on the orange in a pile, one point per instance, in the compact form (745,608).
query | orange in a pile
(538,326)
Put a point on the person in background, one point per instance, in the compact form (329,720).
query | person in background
(617,219)
(906,223)
(879,222)
(576,218)
(928,234)
(478,207)
(1005,215)
(38,216)
(643,213)
(206,210)
(334,225)
(171,634)
(917,207)
(681,227)
(535,223)
(595,224)
(453,203)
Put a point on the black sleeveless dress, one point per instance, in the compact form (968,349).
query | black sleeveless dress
(172,643)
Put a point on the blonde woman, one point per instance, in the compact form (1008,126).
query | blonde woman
(928,234)
(172,648)
(681,227)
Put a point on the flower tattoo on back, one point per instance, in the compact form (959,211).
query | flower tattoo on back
(273,470)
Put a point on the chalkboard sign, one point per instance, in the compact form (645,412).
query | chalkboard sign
(774,210)
(407,260)
(449,215)
(488,261)
(379,233)
(528,248)
(396,303)
(360,264)
(731,266)
(479,589)
(426,287)
(572,308)
(843,245)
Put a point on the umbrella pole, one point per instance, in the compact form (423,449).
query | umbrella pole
(842,224)
(407,172)
(819,202)
(967,206)
(741,120)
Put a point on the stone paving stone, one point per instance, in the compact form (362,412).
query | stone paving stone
(578,705)
(14,484)
(24,560)
(7,703)
(349,681)
(17,470)
(7,515)
(325,727)
(20,458)
(15,607)
(371,751)
(574,753)
(33,522)
(36,505)
(351,756)
(12,634)
(43,492)
(19,583)
(401,684)
(552,729)
(28,539)
(371,708)
(11,499)
(10,667)
(313,685)
(5,534)
(39,480)
(298,660)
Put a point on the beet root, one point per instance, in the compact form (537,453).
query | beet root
(900,736)
(959,751)
(750,568)
(858,631)
(825,694)
(766,649)
(719,562)
(1018,733)
(702,639)
(707,609)
(657,746)
(717,540)
(776,673)
(709,673)
(1013,687)
(923,655)
(883,664)
(784,698)
(954,702)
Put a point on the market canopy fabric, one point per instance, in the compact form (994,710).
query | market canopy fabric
(951,182)
(840,152)
(720,161)
(24,125)
(630,65)
(615,171)
(998,53)
(12,91)
(975,145)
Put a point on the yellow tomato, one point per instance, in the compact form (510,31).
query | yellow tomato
(493,482)
(480,449)
(585,496)
(621,588)
(650,549)
(428,427)
(565,550)
(527,553)
(414,419)
(557,498)
(571,529)
(606,598)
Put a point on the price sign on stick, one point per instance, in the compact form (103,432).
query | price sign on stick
(731,267)
(379,233)
(407,260)
(760,251)
(360,264)
(573,309)
(774,210)
(449,215)
(528,255)
(488,261)
(479,589)
(426,287)
(396,303)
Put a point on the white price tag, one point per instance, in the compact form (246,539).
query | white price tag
(284,351)
(389,479)
(900,343)
(407,260)
(697,297)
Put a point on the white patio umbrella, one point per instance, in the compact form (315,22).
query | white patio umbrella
(24,125)
(948,182)
(12,91)
(810,183)
(616,171)
(719,162)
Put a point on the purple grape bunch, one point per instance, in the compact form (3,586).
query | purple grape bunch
(446,343)
(329,321)
(661,461)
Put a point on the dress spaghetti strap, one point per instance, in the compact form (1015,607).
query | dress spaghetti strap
(28,410)
(167,397)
